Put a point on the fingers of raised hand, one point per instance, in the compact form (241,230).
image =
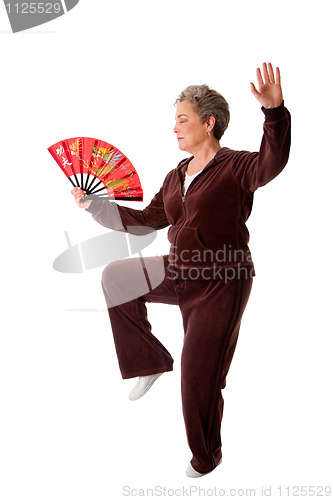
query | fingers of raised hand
(268,73)
(278,76)
(269,76)
(259,77)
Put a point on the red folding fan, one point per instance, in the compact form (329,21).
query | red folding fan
(98,168)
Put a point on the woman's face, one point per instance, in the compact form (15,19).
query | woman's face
(191,133)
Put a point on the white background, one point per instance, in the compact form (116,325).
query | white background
(112,70)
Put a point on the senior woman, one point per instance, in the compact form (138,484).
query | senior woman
(208,273)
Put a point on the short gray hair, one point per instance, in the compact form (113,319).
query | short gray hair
(207,102)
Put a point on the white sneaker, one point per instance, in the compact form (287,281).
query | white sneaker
(143,385)
(190,472)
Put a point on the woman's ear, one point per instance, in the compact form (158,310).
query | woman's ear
(210,122)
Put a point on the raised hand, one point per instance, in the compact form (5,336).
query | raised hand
(269,92)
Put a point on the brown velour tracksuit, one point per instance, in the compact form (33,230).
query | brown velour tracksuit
(208,273)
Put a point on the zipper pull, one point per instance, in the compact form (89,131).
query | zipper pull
(183,198)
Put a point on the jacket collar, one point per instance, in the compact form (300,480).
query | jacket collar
(183,164)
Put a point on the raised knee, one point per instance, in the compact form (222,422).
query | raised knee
(111,274)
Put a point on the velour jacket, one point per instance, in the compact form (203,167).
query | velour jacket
(208,225)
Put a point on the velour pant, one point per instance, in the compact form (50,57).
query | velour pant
(211,312)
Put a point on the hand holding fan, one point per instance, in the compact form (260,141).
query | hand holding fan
(98,168)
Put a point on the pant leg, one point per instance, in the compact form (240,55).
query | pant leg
(212,314)
(127,285)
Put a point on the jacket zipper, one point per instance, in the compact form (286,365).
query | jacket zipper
(183,198)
